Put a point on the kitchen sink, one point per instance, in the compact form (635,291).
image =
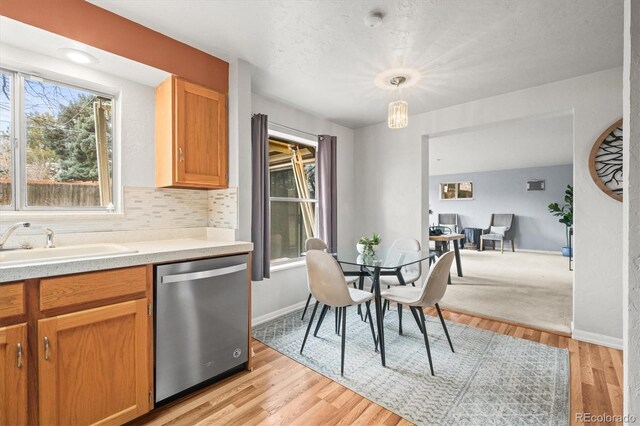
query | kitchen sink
(56,254)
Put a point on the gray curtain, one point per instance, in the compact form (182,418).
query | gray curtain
(327,191)
(260,209)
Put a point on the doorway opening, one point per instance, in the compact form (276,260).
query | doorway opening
(495,186)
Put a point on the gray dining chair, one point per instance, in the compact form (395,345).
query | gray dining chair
(429,294)
(318,244)
(328,285)
(500,229)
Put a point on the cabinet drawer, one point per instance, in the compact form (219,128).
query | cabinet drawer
(11,300)
(73,290)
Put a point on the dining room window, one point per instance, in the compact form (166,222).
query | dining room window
(292,184)
(56,145)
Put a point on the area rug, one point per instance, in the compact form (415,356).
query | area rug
(491,379)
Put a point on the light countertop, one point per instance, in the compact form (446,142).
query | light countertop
(148,252)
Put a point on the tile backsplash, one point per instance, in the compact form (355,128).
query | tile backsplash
(223,208)
(156,208)
(146,209)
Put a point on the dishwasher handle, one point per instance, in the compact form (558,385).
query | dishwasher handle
(168,279)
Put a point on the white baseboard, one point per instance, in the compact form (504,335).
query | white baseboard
(559,253)
(598,339)
(280,312)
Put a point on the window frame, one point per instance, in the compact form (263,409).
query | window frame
(457,189)
(277,265)
(19,143)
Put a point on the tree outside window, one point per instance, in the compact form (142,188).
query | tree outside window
(63,157)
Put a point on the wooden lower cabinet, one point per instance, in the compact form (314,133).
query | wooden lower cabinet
(93,365)
(13,375)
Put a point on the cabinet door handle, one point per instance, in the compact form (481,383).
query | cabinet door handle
(19,355)
(46,348)
(181,152)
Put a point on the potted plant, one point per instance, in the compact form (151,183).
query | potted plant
(368,246)
(565,215)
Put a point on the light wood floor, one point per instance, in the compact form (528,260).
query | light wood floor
(282,391)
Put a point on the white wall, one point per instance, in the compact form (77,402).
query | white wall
(516,144)
(631,241)
(392,180)
(289,287)
(240,142)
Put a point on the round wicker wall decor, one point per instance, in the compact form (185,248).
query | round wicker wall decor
(605,161)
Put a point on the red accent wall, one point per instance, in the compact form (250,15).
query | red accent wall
(97,27)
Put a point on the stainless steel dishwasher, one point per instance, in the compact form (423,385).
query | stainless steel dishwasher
(201,322)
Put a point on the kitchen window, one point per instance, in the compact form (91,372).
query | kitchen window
(56,145)
(292,183)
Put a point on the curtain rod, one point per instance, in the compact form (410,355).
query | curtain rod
(291,128)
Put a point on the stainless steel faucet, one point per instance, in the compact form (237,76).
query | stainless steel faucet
(49,243)
(11,230)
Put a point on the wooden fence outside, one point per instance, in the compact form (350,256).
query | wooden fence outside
(56,194)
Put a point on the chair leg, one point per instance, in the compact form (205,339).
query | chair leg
(513,247)
(313,314)
(385,306)
(399,318)
(481,244)
(339,313)
(325,308)
(344,333)
(373,333)
(305,307)
(502,246)
(444,325)
(359,306)
(426,339)
(416,317)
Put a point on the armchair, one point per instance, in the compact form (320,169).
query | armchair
(500,229)
(450,220)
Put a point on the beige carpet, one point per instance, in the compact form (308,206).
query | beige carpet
(526,288)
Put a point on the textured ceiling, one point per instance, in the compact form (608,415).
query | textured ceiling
(320,57)
(515,144)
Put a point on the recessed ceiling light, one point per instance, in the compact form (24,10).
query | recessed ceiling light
(373,19)
(78,56)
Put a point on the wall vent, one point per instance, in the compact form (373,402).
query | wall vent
(535,185)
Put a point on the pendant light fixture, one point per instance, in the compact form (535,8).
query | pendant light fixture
(398,110)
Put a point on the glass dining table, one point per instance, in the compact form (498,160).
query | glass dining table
(384,262)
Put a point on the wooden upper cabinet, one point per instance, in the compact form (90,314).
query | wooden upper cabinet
(191,136)
(13,375)
(93,365)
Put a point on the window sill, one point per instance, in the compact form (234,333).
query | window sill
(296,263)
(9,215)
